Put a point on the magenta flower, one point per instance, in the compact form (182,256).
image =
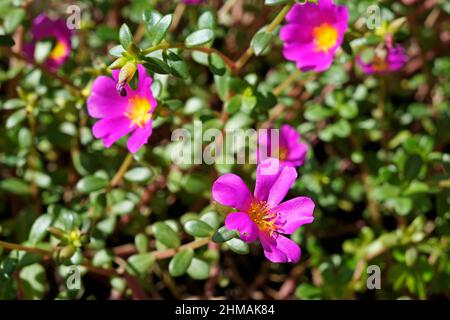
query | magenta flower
(291,152)
(313,33)
(192,2)
(45,28)
(394,60)
(262,215)
(120,116)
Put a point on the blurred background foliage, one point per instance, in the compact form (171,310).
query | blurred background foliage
(378,166)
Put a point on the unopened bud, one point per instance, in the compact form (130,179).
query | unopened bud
(67,252)
(126,74)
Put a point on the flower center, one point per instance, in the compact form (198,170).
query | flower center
(325,37)
(261,215)
(58,51)
(283,153)
(139,111)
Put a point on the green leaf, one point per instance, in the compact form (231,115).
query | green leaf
(224,235)
(178,66)
(91,183)
(238,246)
(412,167)
(6,41)
(139,174)
(307,291)
(33,281)
(103,258)
(141,263)
(196,183)
(198,228)
(234,104)
(39,228)
(166,235)
(125,36)
(16,118)
(260,42)
(158,31)
(402,205)
(180,262)
(411,256)
(141,242)
(156,65)
(151,18)
(274,2)
(16,186)
(239,120)
(12,19)
(198,269)
(207,20)
(116,51)
(222,86)
(199,37)
(211,218)
(216,64)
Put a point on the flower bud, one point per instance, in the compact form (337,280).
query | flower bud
(67,252)
(126,74)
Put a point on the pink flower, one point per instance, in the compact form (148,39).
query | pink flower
(262,215)
(192,2)
(313,33)
(291,152)
(394,60)
(120,116)
(44,28)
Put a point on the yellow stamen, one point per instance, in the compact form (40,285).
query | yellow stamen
(262,216)
(283,153)
(325,37)
(58,51)
(139,111)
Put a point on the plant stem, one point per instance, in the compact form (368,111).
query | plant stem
(283,85)
(44,69)
(165,46)
(275,23)
(178,13)
(119,174)
(19,247)
(164,254)
(230,63)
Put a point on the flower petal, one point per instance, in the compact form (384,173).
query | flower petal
(297,150)
(229,190)
(306,58)
(279,249)
(267,173)
(281,185)
(104,100)
(240,221)
(111,129)
(144,86)
(139,137)
(294,213)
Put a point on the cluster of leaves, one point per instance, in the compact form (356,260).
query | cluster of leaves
(377,168)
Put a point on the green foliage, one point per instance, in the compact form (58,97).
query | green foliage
(377,167)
